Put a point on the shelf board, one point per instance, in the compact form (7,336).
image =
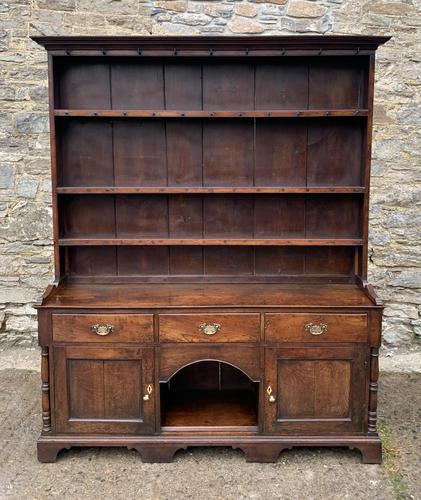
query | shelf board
(211,190)
(209,242)
(209,408)
(292,113)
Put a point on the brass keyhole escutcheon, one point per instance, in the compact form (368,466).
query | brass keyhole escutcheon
(210,328)
(147,396)
(271,397)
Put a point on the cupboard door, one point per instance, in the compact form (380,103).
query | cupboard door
(315,390)
(101,389)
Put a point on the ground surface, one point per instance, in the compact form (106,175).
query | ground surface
(208,473)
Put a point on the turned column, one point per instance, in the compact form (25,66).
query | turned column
(373,389)
(45,388)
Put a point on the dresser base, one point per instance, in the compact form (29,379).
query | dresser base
(154,449)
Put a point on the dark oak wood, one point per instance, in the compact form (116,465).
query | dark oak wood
(45,389)
(187,327)
(288,327)
(257,448)
(211,190)
(279,45)
(315,391)
(209,408)
(124,328)
(209,114)
(208,295)
(100,389)
(211,241)
(47,452)
(210,207)
(173,358)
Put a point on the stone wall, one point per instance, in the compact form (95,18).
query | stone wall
(25,210)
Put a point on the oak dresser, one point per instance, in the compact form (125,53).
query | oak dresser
(210,201)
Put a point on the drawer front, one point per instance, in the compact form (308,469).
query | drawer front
(209,327)
(103,327)
(303,327)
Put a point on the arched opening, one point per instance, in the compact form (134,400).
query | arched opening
(209,394)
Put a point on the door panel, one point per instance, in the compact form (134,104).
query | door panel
(101,390)
(315,390)
(85,386)
(120,403)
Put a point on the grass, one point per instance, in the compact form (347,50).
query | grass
(391,455)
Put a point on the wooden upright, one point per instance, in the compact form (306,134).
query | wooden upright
(210,200)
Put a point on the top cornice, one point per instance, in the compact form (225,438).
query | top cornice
(222,44)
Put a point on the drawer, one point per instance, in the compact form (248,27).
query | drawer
(304,327)
(103,327)
(209,327)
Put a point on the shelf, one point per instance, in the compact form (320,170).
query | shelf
(208,242)
(210,408)
(206,295)
(211,190)
(293,113)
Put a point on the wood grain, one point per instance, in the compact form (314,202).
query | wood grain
(288,327)
(193,295)
(126,328)
(186,327)
(210,180)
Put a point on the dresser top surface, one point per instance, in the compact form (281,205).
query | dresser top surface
(122,296)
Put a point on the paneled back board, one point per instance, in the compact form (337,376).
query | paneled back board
(210,160)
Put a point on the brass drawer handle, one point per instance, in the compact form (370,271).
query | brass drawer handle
(315,329)
(102,329)
(210,328)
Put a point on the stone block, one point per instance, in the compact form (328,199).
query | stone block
(162,17)
(27,186)
(8,94)
(21,323)
(7,176)
(39,94)
(270,10)
(127,24)
(212,29)
(268,19)
(320,25)
(30,123)
(409,278)
(192,19)
(216,9)
(416,325)
(173,5)
(244,25)
(397,333)
(119,7)
(68,5)
(305,8)
(277,2)
(245,9)
(16,295)
(387,8)
(169,28)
